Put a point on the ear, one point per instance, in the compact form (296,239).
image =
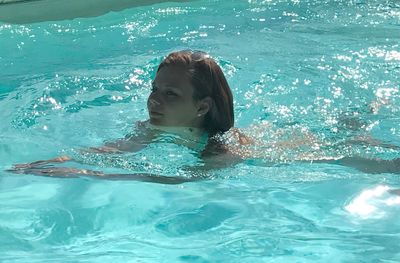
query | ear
(204,106)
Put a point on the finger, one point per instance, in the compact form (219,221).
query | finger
(15,171)
(61,159)
(21,166)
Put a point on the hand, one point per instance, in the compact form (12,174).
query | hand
(59,159)
(67,172)
(57,172)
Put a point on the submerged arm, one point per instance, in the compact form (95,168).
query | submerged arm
(128,144)
(215,157)
(218,155)
(131,143)
(66,172)
(369,165)
(368,140)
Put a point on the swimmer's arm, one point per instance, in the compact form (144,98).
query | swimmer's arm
(127,144)
(217,156)
(298,138)
(366,165)
(369,165)
(368,140)
(59,159)
(220,161)
(119,146)
(308,139)
(67,172)
(211,162)
(131,143)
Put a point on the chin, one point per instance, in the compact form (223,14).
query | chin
(157,121)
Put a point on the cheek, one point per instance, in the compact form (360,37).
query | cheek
(183,107)
(175,107)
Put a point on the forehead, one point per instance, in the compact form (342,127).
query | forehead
(173,75)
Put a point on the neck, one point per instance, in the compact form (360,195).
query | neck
(186,132)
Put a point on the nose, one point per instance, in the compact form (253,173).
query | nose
(153,102)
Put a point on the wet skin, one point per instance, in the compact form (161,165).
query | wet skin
(171,101)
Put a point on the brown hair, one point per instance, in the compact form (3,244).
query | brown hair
(208,80)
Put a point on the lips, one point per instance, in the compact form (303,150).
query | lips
(155,114)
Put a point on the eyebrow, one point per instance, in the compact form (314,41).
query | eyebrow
(177,90)
(168,85)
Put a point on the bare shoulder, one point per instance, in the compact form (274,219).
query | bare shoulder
(227,149)
(132,142)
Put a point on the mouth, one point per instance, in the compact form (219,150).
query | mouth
(155,114)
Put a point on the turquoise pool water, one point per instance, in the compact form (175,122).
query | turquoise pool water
(327,67)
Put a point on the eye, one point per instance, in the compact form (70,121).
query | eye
(171,93)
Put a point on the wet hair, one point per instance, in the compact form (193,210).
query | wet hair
(208,80)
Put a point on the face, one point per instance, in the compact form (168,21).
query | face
(171,101)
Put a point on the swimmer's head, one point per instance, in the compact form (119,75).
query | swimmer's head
(190,90)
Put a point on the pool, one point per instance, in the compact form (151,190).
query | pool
(330,68)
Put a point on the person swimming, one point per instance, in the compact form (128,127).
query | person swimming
(191,97)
